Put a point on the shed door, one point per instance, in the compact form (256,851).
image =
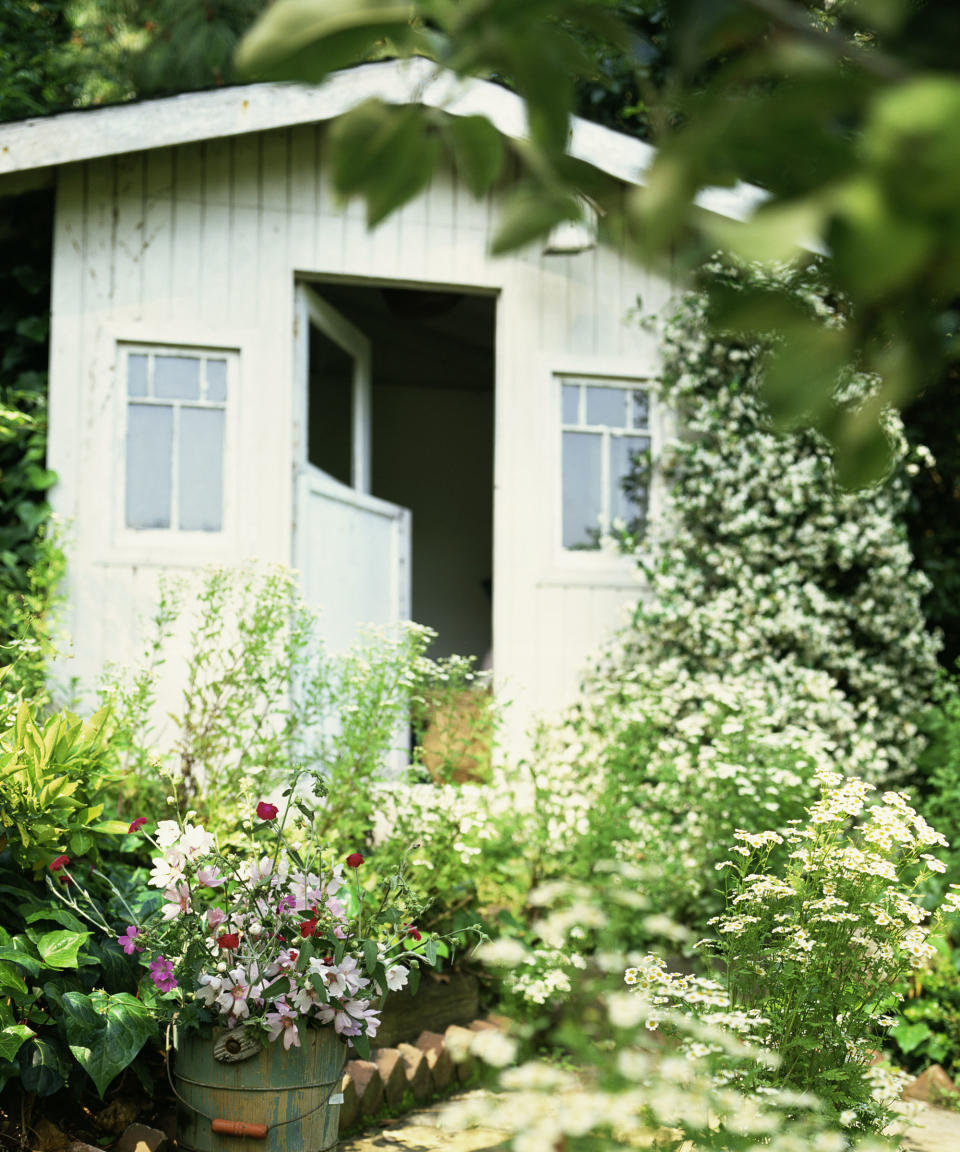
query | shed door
(352,549)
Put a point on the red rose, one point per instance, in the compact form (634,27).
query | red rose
(58,863)
(267,811)
(354,860)
(229,940)
(411,931)
(137,824)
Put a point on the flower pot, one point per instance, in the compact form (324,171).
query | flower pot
(260,1099)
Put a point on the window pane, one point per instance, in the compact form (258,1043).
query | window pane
(623,449)
(581,489)
(136,374)
(201,469)
(571,404)
(607,406)
(640,404)
(149,465)
(217,381)
(176,377)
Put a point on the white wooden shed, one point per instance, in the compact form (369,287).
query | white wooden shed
(239,368)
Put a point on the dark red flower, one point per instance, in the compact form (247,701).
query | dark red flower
(137,824)
(229,940)
(267,811)
(354,860)
(58,863)
(411,931)
(308,927)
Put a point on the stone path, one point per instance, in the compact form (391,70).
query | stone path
(933,1130)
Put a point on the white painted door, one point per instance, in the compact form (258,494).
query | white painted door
(351,548)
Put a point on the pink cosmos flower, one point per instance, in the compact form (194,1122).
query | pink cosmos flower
(284,1021)
(161,973)
(127,940)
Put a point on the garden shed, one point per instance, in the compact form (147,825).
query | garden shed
(239,368)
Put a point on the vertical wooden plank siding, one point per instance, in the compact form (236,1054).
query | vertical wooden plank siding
(202,244)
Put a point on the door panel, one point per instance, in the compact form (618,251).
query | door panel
(352,549)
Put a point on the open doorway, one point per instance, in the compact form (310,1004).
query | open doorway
(428,445)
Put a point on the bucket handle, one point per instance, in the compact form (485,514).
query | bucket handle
(235,1127)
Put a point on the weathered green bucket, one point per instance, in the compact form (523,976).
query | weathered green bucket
(236,1096)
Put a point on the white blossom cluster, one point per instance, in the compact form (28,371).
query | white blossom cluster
(764,564)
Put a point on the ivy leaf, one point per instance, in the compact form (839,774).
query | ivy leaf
(59,949)
(44,1067)
(12,1038)
(105,1032)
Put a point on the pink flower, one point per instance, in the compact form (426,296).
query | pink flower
(284,1020)
(215,917)
(161,973)
(209,877)
(59,862)
(137,824)
(354,860)
(178,901)
(267,811)
(127,940)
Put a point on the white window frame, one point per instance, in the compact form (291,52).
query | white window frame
(185,545)
(602,566)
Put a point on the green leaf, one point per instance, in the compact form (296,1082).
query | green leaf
(910,1036)
(59,949)
(278,986)
(414,983)
(307,39)
(319,987)
(21,952)
(61,916)
(11,1039)
(105,1032)
(361,1045)
(478,151)
(528,214)
(370,956)
(44,1067)
(430,952)
(11,980)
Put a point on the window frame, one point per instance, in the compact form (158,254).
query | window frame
(600,566)
(185,544)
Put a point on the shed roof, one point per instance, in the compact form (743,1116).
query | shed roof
(67,137)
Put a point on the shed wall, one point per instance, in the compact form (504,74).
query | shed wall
(201,244)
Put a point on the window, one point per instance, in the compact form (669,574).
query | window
(605,430)
(176,402)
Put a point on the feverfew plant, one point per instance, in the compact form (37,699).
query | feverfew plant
(813,953)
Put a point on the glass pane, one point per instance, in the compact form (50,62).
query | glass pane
(581,489)
(136,374)
(149,465)
(201,469)
(607,406)
(640,405)
(571,404)
(217,381)
(628,508)
(176,377)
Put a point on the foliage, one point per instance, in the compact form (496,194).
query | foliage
(31,563)
(35,76)
(927,1029)
(627,1087)
(756,91)
(262,698)
(454,718)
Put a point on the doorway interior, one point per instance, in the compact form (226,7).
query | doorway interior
(429,439)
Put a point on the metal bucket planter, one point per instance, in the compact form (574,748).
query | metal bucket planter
(237,1096)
